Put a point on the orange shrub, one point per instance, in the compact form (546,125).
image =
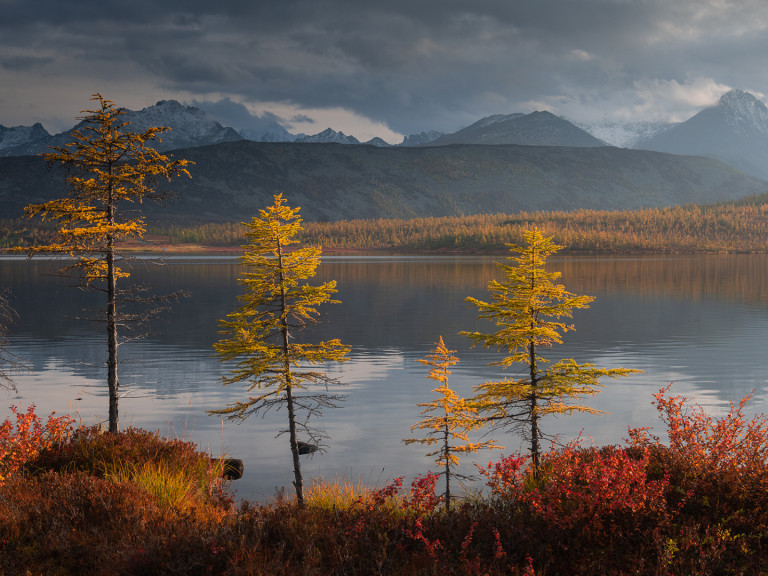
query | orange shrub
(23,442)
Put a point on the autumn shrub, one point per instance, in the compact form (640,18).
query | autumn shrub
(692,503)
(161,465)
(76,523)
(719,471)
(127,503)
(22,442)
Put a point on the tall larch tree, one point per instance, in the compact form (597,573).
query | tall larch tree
(528,308)
(447,419)
(262,335)
(110,170)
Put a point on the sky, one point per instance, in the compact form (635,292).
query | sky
(385,68)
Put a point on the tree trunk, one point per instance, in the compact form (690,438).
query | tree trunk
(297,482)
(534,413)
(534,379)
(447,471)
(112,343)
(112,319)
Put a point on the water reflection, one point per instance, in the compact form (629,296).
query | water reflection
(698,321)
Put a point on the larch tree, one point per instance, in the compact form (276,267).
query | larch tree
(529,307)
(262,335)
(110,170)
(447,419)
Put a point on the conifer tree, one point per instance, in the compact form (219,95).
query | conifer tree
(110,170)
(262,334)
(447,418)
(528,308)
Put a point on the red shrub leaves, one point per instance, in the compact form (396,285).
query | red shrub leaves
(707,444)
(592,489)
(505,478)
(23,442)
(581,488)
(422,498)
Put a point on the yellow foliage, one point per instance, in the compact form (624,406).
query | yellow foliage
(529,309)
(107,165)
(448,417)
(260,336)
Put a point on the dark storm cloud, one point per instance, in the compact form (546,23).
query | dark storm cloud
(416,65)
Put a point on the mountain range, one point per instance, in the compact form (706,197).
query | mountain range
(735,131)
(502,163)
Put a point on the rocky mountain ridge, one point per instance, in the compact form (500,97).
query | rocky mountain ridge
(189,127)
(534,129)
(735,131)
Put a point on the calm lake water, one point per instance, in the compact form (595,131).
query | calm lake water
(698,321)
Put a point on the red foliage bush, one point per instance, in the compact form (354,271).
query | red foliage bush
(695,506)
(23,442)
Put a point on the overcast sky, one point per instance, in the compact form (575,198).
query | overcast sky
(380,68)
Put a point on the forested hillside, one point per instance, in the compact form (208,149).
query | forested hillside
(232,181)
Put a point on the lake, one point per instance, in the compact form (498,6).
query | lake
(700,322)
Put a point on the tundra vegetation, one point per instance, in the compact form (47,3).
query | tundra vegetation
(110,170)
(687,499)
(77,501)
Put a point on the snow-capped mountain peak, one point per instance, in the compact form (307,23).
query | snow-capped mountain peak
(189,126)
(18,135)
(329,136)
(744,112)
(624,135)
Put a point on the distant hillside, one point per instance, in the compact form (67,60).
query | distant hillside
(535,129)
(233,180)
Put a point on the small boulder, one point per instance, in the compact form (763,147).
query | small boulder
(233,468)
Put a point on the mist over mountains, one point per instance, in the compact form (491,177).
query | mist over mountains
(735,131)
(502,163)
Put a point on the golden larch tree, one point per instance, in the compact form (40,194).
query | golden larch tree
(262,334)
(528,308)
(109,170)
(447,419)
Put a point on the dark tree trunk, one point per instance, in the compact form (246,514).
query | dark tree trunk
(112,382)
(297,482)
(447,470)
(535,449)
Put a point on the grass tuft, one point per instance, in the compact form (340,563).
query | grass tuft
(339,494)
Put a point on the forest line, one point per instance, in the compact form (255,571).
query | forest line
(729,227)
(732,227)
